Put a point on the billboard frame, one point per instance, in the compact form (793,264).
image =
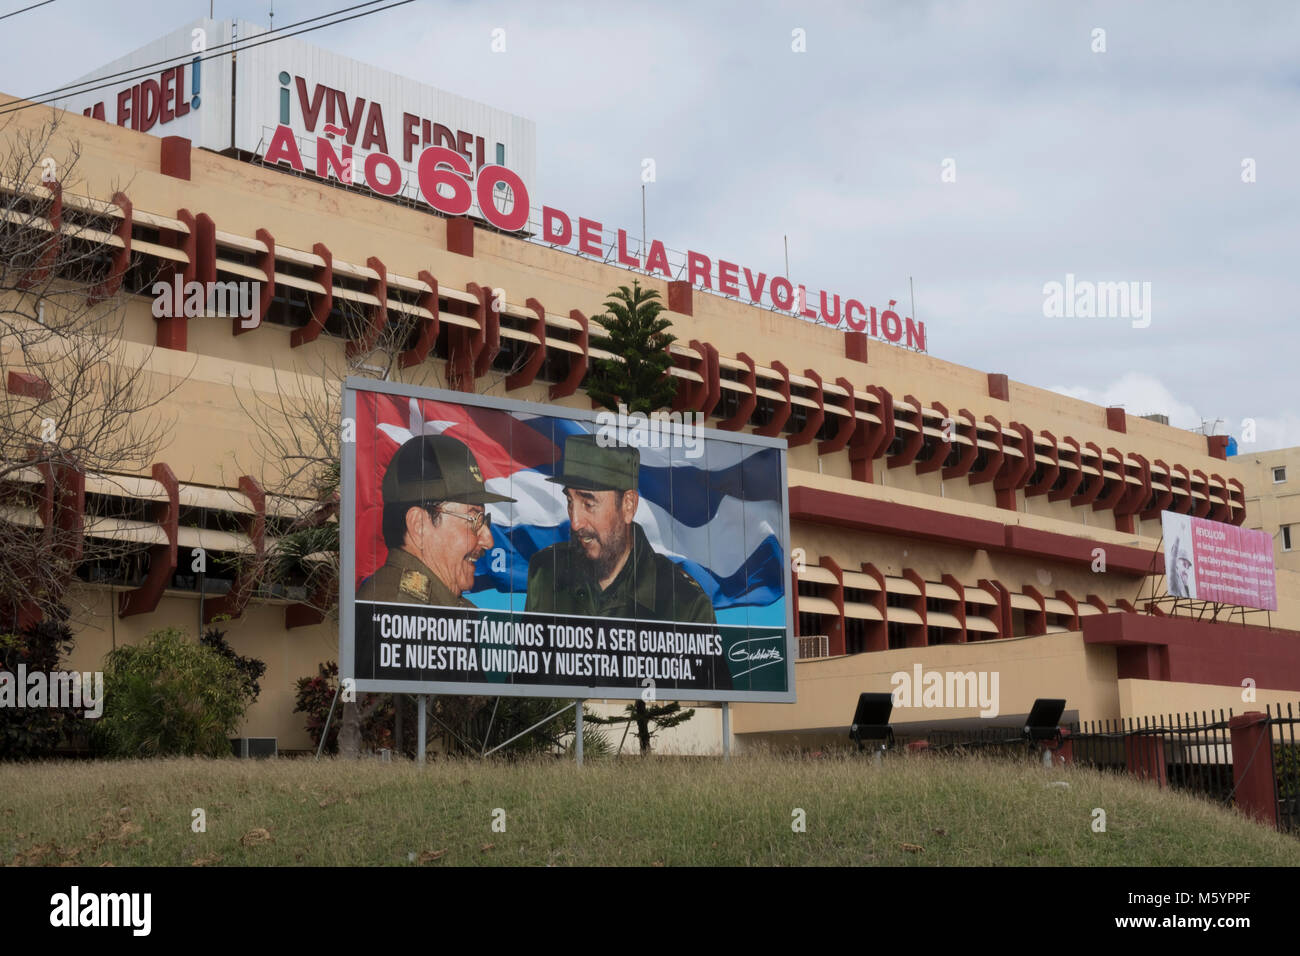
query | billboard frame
(352,385)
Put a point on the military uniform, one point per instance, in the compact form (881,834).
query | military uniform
(404,579)
(648,587)
(425,469)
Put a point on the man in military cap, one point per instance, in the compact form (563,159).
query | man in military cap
(434,524)
(607,567)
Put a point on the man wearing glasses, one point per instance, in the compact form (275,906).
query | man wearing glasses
(434,524)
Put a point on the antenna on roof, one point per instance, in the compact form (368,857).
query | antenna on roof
(272,16)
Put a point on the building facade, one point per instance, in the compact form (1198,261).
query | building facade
(943,519)
(1273,501)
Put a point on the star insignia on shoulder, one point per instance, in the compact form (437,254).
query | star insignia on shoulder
(415,584)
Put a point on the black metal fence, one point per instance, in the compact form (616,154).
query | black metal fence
(1190,752)
(1286,766)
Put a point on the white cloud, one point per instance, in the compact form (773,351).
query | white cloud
(1143,394)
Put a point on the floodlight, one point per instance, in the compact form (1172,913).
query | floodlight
(1044,720)
(871,720)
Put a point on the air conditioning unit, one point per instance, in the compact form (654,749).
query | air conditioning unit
(816,645)
(254,746)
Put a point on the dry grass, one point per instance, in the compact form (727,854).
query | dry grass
(908,811)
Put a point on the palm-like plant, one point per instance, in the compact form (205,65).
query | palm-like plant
(637,336)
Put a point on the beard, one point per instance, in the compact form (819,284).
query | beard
(611,550)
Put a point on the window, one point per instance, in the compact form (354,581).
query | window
(1279,475)
(1286,537)
(501,161)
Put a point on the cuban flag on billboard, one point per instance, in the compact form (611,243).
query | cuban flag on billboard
(713,506)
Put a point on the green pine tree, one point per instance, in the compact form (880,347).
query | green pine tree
(641,382)
(639,337)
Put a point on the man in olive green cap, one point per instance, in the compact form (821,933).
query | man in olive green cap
(607,567)
(434,524)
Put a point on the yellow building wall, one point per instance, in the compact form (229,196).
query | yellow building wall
(1271,504)
(210,439)
(259,633)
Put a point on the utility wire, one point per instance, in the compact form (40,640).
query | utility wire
(176,61)
(71,88)
(6,16)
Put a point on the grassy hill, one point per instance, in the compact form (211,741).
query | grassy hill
(909,811)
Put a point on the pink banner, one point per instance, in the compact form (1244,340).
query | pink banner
(1213,561)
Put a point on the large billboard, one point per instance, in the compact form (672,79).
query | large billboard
(344,117)
(509,548)
(1213,561)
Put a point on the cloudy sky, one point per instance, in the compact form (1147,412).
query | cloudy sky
(1122,165)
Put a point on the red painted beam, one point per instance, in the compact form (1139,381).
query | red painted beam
(577,363)
(877,631)
(835,633)
(460,236)
(847,422)
(1162,498)
(712,377)
(815,415)
(1135,497)
(1073,476)
(912,443)
(28,386)
(864,514)
(1180,481)
(989,471)
(1050,472)
(1092,484)
(745,408)
(1015,471)
(967,453)
(960,588)
(121,258)
(418,352)
(50,243)
(234,601)
(1201,508)
(321,305)
(537,355)
(679,298)
(782,412)
(1199,652)
(872,439)
(162,557)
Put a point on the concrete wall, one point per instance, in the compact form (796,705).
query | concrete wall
(1272,504)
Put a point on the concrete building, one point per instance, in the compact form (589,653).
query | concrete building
(1273,500)
(943,518)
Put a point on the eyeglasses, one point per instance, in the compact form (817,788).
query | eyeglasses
(477,521)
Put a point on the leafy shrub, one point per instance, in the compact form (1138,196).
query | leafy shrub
(35,731)
(169,696)
(250,668)
(316,694)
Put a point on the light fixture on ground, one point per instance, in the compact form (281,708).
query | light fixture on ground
(1044,724)
(871,722)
